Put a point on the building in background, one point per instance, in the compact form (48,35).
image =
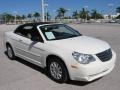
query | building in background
(111,16)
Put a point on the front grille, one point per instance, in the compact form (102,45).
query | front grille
(105,56)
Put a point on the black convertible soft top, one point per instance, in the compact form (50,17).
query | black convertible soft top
(39,23)
(33,24)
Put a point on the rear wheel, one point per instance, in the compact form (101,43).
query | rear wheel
(10,52)
(57,70)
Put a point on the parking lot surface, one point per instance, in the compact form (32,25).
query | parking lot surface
(21,75)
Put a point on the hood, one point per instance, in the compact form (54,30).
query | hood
(81,44)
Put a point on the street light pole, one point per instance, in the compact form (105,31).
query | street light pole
(43,11)
(15,17)
(45,6)
(46,15)
(86,12)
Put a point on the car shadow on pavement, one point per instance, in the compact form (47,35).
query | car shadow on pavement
(33,66)
(26,63)
(81,83)
(44,71)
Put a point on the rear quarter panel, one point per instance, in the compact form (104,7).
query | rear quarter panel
(8,38)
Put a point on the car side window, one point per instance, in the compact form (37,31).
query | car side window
(30,32)
(27,31)
(23,30)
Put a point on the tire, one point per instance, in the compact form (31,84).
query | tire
(57,70)
(10,52)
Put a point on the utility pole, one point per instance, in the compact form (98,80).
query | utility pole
(15,12)
(43,11)
(45,6)
(86,12)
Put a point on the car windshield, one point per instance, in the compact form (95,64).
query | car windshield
(58,31)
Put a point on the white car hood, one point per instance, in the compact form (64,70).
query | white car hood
(81,44)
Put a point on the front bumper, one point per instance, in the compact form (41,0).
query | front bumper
(93,70)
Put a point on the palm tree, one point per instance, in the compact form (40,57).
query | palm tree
(1,19)
(95,15)
(23,17)
(61,12)
(47,16)
(118,9)
(29,16)
(75,15)
(84,14)
(36,15)
(19,18)
(8,17)
(118,17)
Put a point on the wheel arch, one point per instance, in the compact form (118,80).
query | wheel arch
(56,56)
(7,43)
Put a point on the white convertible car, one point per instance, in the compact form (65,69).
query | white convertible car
(63,51)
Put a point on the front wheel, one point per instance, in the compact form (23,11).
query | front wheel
(57,70)
(10,52)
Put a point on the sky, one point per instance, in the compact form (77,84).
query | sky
(30,6)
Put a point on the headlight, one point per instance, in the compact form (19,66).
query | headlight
(83,58)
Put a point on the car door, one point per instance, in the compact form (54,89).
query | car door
(29,43)
(36,46)
(21,41)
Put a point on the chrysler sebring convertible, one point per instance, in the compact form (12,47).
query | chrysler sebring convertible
(61,50)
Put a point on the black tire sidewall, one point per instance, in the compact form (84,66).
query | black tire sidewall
(13,55)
